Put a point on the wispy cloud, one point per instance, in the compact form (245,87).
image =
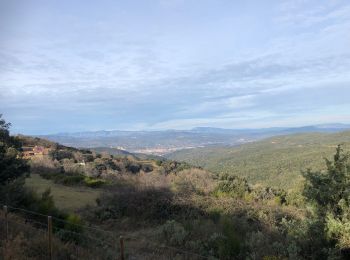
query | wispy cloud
(70,66)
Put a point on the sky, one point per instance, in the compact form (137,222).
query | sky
(81,65)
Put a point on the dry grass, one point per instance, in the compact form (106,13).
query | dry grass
(66,198)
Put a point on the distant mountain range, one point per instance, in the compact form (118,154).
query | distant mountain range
(163,142)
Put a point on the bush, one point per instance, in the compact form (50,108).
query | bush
(149,204)
(173,233)
(71,179)
(232,186)
(229,246)
(61,154)
(45,166)
(64,178)
(133,167)
(93,183)
(268,193)
(43,203)
(13,193)
(167,167)
(144,204)
(193,180)
(147,167)
(72,229)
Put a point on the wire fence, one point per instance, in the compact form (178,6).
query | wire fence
(39,236)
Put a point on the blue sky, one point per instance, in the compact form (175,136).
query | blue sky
(158,64)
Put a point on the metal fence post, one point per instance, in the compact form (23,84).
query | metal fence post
(49,236)
(121,240)
(6,223)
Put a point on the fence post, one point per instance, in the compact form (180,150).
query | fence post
(6,223)
(49,236)
(121,240)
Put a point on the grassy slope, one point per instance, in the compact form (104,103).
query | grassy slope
(69,198)
(276,161)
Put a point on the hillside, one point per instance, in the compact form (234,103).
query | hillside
(70,165)
(164,209)
(276,161)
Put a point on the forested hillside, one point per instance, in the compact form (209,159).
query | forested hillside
(277,161)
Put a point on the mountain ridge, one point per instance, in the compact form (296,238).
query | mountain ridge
(167,141)
(203,129)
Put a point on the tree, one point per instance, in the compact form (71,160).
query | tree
(330,192)
(233,186)
(327,189)
(12,166)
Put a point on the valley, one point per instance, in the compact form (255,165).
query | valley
(168,141)
(214,202)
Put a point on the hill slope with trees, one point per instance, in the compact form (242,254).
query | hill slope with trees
(174,211)
(276,161)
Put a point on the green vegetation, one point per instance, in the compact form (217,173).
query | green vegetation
(276,161)
(165,204)
(63,195)
(11,164)
(13,191)
(330,194)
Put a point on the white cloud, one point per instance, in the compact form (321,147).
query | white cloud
(174,69)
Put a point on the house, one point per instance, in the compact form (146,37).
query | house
(37,151)
(27,152)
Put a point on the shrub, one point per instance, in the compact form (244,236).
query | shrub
(229,247)
(167,167)
(173,233)
(149,203)
(93,183)
(59,154)
(45,166)
(13,193)
(72,229)
(193,180)
(71,179)
(268,193)
(144,204)
(232,186)
(147,167)
(133,167)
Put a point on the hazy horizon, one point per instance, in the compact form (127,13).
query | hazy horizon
(334,124)
(72,66)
